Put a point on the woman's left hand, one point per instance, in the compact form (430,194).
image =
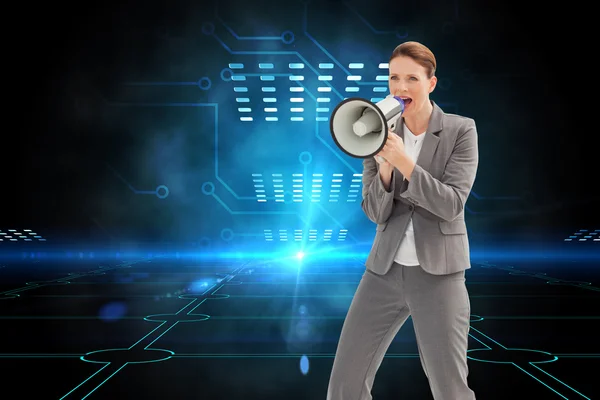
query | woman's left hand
(393,148)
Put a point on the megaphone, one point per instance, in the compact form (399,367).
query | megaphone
(360,127)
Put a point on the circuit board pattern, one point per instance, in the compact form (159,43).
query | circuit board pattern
(20,235)
(227,312)
(289,82)
(584,235)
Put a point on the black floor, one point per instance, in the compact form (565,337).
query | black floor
(187,329)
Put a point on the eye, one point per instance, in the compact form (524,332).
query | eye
(413,78)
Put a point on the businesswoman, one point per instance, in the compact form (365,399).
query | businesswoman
(417,263)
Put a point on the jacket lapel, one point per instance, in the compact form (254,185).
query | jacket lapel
(399,178)
(432,139)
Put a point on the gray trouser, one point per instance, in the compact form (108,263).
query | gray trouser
(440,310)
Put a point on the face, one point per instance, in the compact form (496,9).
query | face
(408,80)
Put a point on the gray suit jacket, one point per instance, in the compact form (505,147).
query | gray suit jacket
(435,198)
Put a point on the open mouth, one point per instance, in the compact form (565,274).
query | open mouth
(406,100)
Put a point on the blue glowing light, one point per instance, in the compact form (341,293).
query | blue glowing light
(304,365)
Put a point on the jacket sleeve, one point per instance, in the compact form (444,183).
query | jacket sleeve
(377,202)
(446,198)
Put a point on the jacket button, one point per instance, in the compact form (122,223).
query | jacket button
(411,207)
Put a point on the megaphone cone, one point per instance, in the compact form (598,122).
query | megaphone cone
(360,127)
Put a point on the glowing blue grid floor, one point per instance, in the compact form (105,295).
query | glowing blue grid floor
(269,330)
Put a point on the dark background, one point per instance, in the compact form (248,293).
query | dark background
(525,73)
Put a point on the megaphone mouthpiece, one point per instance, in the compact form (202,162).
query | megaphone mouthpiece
(368,123)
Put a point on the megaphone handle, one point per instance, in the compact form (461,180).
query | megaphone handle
(380,159)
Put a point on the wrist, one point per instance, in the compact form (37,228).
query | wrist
(404,164)
(385,175)
(386,169)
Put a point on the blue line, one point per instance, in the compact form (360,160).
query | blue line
(337,154)
(473,212)
(327,53)
(487,337)
(174,104)
(235,35)
(304,24)
(90,377)
(473,336)
(216,107)
(217,140)
(160,83)
(266,73)
(229,189)
(146,335)
(161,335)
(540,381)
(299,83)
(308,91)
(375,31)
(253,212)
(319,137)
(104,381)
(568,355)
(334,220)
(478,197)
(276,53)
(316,122)
(558,380)
(129,185)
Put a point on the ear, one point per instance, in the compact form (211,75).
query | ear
(432,84)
